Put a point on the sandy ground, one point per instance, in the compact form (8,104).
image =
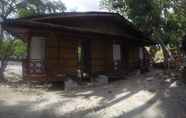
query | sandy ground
(14,70)
(152,95)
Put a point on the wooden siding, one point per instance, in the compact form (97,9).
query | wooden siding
(133,58)
(62,56)
(101,56)
(69,55)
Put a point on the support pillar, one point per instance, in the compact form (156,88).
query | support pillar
(141,59)
(116,55)
(26,63)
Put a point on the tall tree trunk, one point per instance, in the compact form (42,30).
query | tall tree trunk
(2,77)
(2,69)
(1,61)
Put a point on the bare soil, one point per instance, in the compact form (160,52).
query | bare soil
(152,95)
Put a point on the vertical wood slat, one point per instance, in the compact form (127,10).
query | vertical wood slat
(66,59)
(69,55)
(46,55)
(26,63)
(52,43)
(101,57)
(124,55)
(86,56)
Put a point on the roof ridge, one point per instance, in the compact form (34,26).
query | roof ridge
(68,14)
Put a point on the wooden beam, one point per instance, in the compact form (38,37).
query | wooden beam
(29,39)
(58,49)
(62,28)
(86,56)
(46,56)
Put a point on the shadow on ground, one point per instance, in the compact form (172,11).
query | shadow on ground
(153,95)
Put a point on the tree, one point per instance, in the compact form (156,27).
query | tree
(161,20)
(7,7)
(19,48)
(6,50)
(19,8)
(32,7)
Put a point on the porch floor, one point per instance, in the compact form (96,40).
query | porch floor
(153,95)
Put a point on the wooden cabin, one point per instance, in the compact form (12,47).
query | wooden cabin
(79,44)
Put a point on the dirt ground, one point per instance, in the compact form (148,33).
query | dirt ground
(152,95)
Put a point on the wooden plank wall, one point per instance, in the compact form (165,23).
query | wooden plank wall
(62,56)
(130,57)
(133,57)
(69,55)
(52,57)
(101,56)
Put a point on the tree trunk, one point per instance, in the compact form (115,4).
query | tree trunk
(2,77)
(1,61)
(2,69)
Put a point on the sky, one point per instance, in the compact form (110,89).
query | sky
(82,5)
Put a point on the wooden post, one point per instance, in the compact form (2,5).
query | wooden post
(26,64)
(86,57)
(29,38)
(58,49)
(117,54)
(141,58)
(46,56)
(124,56)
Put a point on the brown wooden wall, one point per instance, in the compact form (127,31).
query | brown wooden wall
(52,60)
(130,56)
(69,55)
(133,59)
(62,56)
(101,56)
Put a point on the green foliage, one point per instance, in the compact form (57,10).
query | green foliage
(23,12)
(7,48)
(31,7)
(21,9)
(20,48)
(159,19)
(12,47)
